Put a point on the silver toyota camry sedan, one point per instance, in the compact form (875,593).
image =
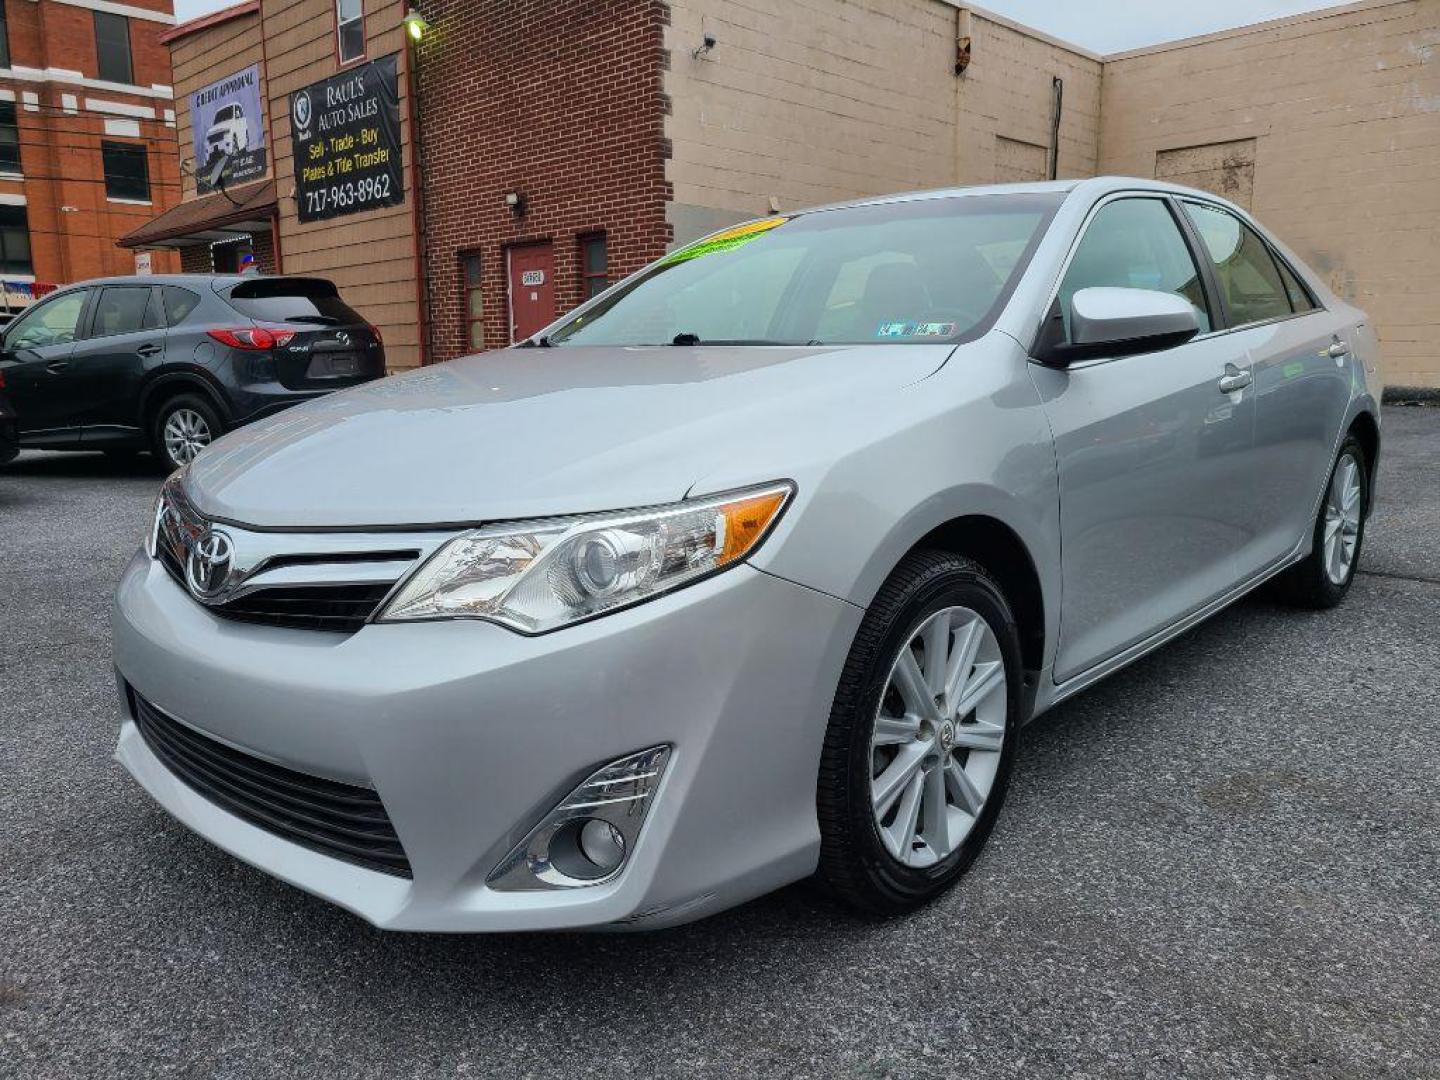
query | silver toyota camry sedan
(750,569)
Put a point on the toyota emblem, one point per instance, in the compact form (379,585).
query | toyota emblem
(208,568)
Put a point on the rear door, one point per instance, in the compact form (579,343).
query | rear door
(324,343)
(1152,453)
(1303,374)
(124,335)
(37,349)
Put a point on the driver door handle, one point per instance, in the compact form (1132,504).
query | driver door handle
(1234,379)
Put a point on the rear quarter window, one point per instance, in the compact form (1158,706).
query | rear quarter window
(179,303)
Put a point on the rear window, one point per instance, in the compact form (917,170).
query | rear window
(292,300)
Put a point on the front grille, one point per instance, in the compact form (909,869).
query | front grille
(341,608)
(340,820)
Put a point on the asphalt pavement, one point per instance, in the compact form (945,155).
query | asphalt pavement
(1224,861)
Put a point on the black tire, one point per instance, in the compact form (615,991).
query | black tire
(855,865)
(1308,584)
(197,405)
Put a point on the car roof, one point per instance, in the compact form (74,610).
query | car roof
(1094,186)
(217,282)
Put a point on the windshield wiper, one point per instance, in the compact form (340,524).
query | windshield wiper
(694,339)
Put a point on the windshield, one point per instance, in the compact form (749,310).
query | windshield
(920,271)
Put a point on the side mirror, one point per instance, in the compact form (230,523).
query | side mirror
(1107,321)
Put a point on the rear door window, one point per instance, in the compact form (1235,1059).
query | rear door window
(1249,279)
(279,300)
(120,310)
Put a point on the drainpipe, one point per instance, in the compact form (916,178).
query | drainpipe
(1057,98)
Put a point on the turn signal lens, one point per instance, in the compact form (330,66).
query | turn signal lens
(252,338)
(542,575)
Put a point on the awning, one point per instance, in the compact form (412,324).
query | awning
(208,220)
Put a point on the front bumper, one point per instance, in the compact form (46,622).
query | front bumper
(471,733)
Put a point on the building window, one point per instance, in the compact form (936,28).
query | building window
(474,302)
(127,174)
(15,241)
(4,39)
(112,44)
(9,139)
(349,30)
(593,266)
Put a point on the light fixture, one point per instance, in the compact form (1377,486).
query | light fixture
(515,201)
(415,24)
(703,49)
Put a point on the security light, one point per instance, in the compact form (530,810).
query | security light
(415,24)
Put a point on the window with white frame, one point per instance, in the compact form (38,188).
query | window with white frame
(349,30)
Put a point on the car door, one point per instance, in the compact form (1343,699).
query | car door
(37,349)
(1303,374)
(1152,449)
(123,336)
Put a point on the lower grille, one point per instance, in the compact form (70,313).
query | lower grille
(340,820)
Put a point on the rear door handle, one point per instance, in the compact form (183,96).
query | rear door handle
(1234,379)
(1338,349)
(57,366)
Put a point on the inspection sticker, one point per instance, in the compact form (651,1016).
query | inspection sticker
(915,329)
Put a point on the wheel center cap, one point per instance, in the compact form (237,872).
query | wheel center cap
(947,735)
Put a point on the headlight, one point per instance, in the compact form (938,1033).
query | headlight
(541,575)
(157,511)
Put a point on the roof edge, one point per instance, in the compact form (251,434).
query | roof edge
(204,22)
(1314,15)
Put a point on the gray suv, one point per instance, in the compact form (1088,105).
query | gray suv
(170,362)
(751,568)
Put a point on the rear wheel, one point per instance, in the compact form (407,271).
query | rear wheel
(922,735)
(183,427)
(1323,578)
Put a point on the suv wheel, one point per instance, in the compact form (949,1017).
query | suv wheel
(183,427)
(922,735)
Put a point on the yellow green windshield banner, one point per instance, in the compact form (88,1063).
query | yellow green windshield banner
(728,240)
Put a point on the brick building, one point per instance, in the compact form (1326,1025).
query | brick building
(564,143)
(85,138)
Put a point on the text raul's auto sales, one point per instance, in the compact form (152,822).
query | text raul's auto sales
(347,142)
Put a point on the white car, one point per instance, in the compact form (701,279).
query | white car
(229,134)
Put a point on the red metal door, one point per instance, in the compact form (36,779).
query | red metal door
(532,289)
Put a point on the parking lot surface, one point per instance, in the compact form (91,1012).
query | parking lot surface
(1223,861)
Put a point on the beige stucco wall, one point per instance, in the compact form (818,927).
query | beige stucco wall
(1344,110)
(814,101)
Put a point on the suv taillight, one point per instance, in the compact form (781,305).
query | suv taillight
(251,338)
(376,331)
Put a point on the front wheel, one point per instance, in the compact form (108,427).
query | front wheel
(922,735)
(1323,578)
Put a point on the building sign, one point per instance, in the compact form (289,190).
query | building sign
(228,130)
(347,142)
(142,263)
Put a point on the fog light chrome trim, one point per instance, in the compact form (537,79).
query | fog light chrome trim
(551,857)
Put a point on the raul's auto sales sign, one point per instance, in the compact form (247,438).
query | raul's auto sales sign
(228,131)
(347,142)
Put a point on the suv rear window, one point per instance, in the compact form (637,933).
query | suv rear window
(292,300)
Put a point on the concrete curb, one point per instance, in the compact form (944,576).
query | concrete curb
(1411,395)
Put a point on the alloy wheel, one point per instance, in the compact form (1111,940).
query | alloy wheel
(936,744)
(1342,519)
(186,433)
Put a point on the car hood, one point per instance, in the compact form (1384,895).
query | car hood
(534,432)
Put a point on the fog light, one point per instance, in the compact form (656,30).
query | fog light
(602,844)
(588,837)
